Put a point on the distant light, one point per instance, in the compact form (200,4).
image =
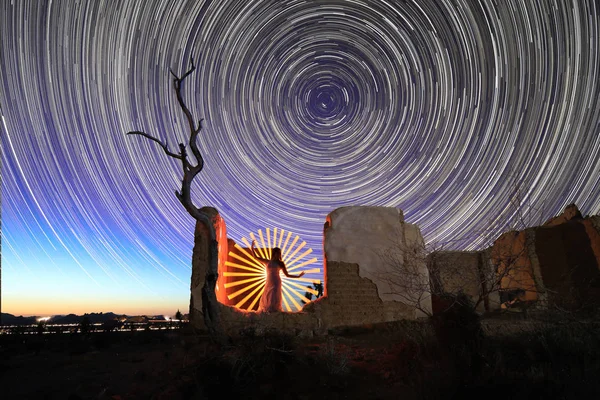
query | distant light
(43,319)
(167,317)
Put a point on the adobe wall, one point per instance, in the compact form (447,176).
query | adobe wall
(568,264)
(354,300)
(452,271)
(511,253)
(200,255)
(556,264)
(351,301)
(369,237)
(349,298)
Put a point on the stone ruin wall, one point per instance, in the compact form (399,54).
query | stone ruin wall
(556,264)
(460,270)
(200,261)
(363,236)
(352,293)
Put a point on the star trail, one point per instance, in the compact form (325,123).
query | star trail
(449,110)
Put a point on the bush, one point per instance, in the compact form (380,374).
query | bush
(336,361)
(459,332)
(85,325)
(249,361)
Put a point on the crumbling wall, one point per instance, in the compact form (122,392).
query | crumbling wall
(556,264)
(354,300)
(511,257)
(454,271)
(349,297)
(570,213)
(592,228)
(568,265)
(200,260)
(351,301)
(366,236)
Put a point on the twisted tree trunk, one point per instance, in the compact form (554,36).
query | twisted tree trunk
(210,309)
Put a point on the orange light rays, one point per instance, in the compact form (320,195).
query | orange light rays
(262,241)
(260,288)
(286,293)
(285,302)
(250,260)
(237,283)
(247,276)
(259,249)
(308,280)
(301,256)
(258,296)
(239,266)
(284,256)
(296,251)
(287,239)
(227,273)
(246,242)
(307,262)
(245,289)
(304,289)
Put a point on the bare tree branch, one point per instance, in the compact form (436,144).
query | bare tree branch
(163,145)
(188,115)
(401,270)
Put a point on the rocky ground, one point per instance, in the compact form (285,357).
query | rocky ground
(375,362)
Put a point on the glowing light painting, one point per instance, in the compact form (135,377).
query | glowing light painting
(245,275)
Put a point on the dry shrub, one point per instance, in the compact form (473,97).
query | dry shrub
(336,361)
(245,364)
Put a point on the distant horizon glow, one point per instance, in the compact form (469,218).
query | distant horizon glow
(451,111)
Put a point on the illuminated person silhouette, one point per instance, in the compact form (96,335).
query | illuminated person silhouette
(271,298)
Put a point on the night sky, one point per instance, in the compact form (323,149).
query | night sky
(450,110)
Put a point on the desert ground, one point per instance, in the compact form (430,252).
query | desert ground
(508,359)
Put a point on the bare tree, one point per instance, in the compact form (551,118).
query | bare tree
(502,274)
(210,308)
(401,270)
(483,276)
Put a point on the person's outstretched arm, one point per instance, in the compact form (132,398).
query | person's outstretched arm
(259,258)
(285,271)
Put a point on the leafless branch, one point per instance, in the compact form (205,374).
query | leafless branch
(402,271)
(194,129)
(279,350)
(163,145)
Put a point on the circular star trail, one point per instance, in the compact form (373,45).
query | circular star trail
(464,114)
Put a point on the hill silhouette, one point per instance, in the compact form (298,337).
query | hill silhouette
(9,319)
(94,318)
